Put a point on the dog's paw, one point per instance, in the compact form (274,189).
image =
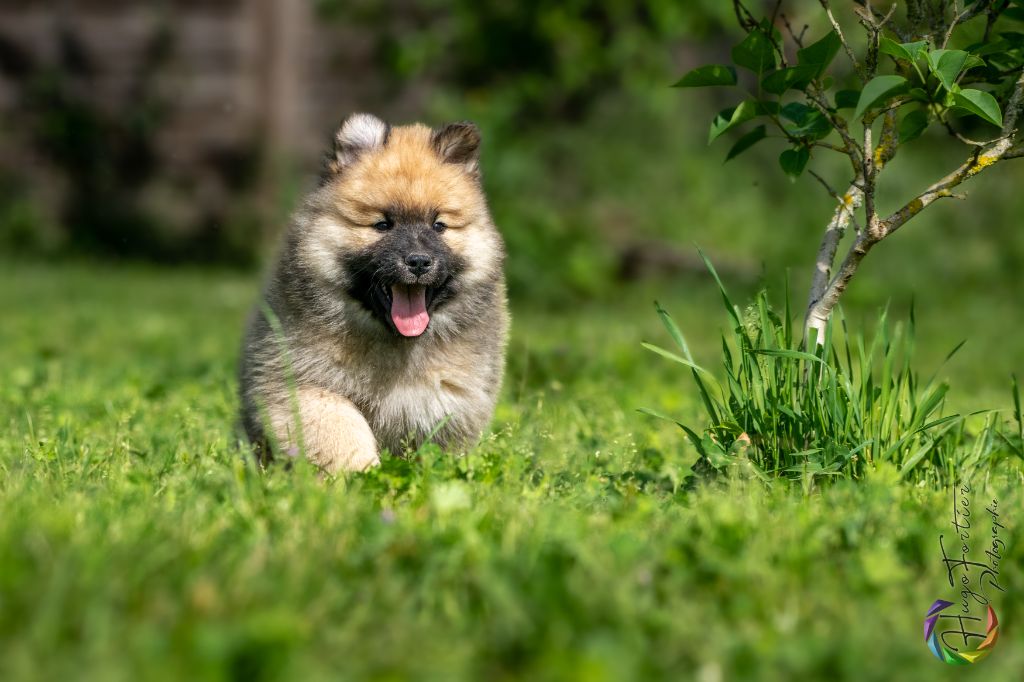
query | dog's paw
(356,460)
(351,446)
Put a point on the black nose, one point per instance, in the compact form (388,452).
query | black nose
(418,262)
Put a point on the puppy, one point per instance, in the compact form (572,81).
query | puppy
(385,318)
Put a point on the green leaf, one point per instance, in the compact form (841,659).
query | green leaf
(918,95)
(809,121)
(947,65)
(912,125)
(847,99)
(989,47)
(877,89)
(819,55)
(905,51)
(1000,64)
(973,62)
(980,103)
(727,119)
(730,118)
(705,76)
(793,161)
(793,78)
(1014,38)
(755,52)
(747,141)
(797,112)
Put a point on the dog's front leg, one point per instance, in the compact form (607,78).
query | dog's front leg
(330,429)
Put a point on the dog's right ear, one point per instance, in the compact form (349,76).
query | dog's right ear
(357,135)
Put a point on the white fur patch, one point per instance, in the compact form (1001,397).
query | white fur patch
(322,247)
(416,408)
(359,133)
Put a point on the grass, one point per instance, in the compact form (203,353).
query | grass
(138,542)
(839,406)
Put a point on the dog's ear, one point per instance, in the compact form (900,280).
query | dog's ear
(357,135)
(459,143)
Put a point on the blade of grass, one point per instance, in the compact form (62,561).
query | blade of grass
(1016,407)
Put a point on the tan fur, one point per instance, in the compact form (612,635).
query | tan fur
(330,429)
(358,384)
(407,171)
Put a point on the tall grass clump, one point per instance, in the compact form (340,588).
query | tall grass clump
(839,408)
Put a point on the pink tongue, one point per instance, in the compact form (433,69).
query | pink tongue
(409,309)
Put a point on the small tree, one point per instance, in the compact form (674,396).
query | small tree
(906,77)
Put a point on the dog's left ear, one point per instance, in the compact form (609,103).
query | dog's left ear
(459,143)
(358,134)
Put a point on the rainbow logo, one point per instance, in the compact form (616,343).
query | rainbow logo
(943,652)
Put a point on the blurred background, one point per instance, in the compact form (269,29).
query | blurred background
(150,154)
(182,133)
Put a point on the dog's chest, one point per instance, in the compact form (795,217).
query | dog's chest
(409,410)
(406,396)
(416,405)
(414,398)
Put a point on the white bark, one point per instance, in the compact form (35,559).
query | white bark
(834,232)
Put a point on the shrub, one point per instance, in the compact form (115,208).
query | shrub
(847,407)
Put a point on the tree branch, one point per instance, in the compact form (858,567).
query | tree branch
(833,147)
(966,15)
(824,293)
(820,310)
(915,17)
(953,132)
(834,233)
(990,19)
(745,19)
(889,140)
(999,149)
(798,38)
(1013,107)
(853,150)
(870,172)
(941,189)
(880,20)
(982,158)
(873,26)
(775,12)
(824,183)
(839,31)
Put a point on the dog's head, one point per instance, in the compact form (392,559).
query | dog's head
(401,225)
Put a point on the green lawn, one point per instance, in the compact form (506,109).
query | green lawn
(137,541)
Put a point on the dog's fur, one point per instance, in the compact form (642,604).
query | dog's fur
(327,371)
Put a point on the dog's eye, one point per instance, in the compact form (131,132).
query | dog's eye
(383,224)
(440,226)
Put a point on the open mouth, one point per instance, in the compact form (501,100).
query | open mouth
(407,306)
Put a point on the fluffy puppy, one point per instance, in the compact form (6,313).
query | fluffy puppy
(384,318)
